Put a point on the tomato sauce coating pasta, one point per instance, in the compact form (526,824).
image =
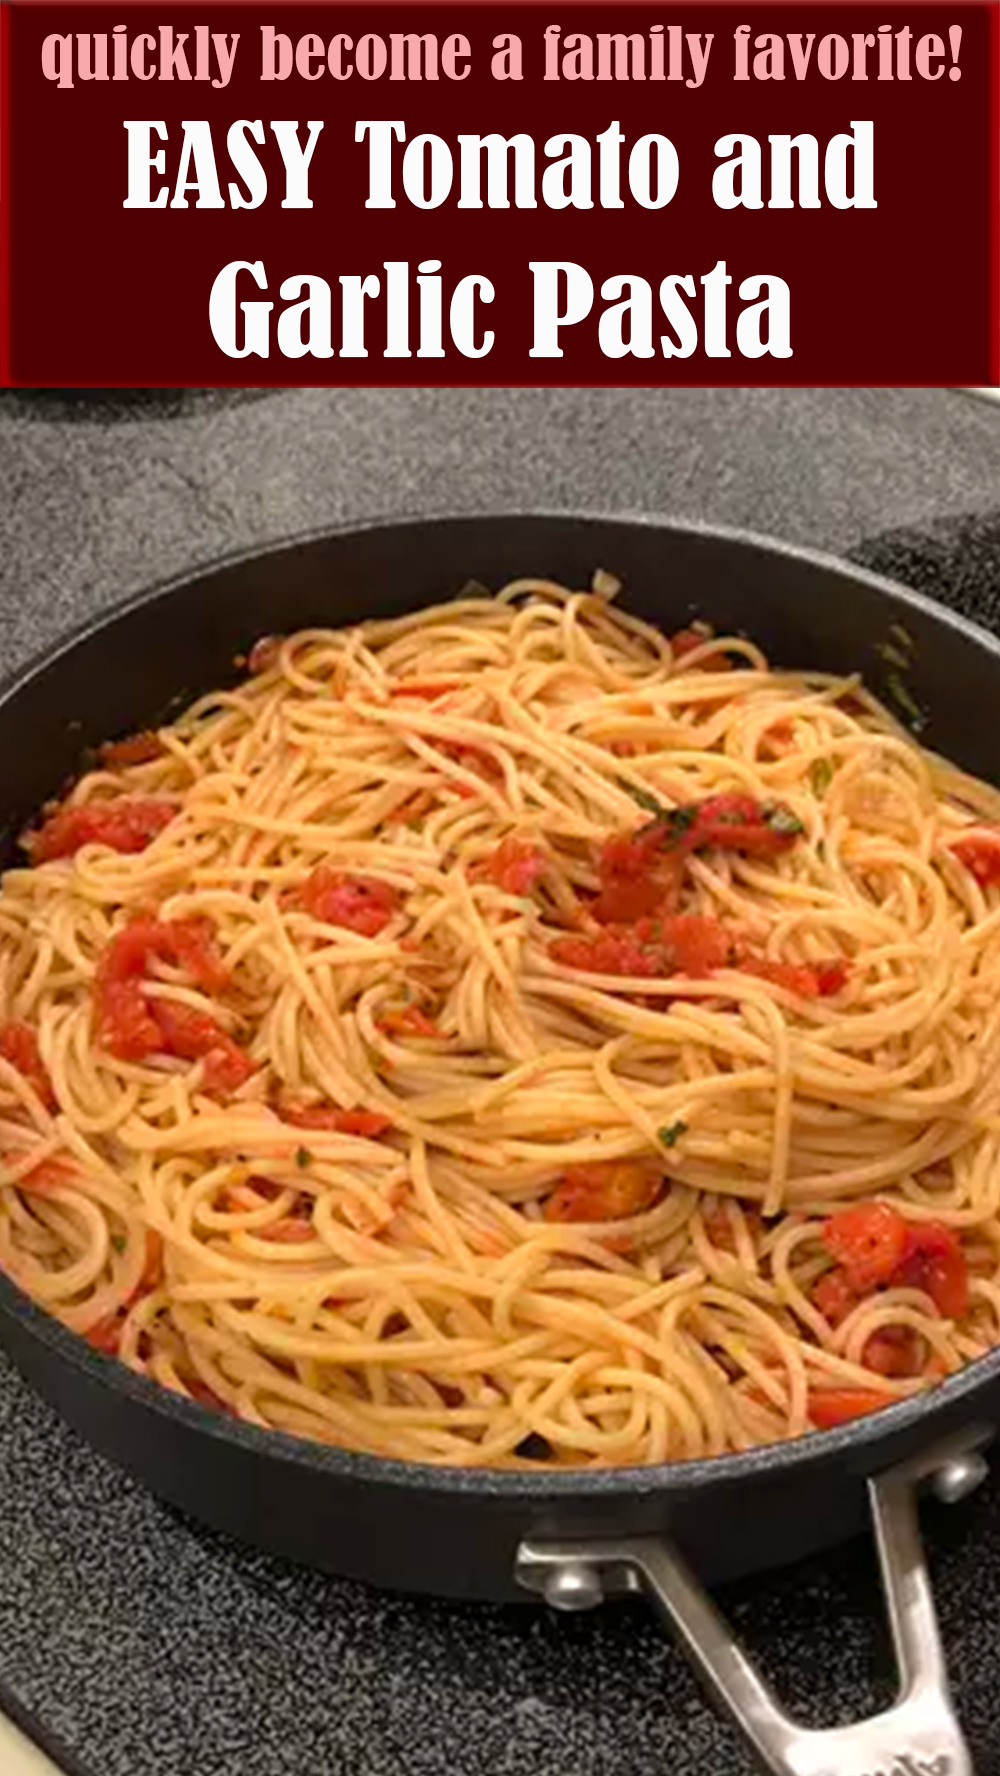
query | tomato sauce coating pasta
(501,1035)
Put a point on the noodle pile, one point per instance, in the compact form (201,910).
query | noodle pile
(406,1291)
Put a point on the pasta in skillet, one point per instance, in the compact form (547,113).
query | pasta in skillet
(505,1035)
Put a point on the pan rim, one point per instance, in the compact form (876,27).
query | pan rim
(783,1461)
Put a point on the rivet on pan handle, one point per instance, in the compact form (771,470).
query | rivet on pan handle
(918,1736)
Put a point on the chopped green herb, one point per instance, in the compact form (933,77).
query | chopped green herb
(903,637)
(118,1241)
(672,823)
(645,799)
(670,1135)
(782,820)
(303,1158)
(904,697)
(821,775)
(893,656)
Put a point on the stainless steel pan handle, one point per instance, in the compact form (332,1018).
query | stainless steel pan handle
(918,1736)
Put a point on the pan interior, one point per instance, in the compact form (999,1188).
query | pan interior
(135,665)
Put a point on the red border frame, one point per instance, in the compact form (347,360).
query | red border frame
(995,193)
(6,137)
(5,142)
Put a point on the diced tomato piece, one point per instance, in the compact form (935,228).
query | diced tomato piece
(698,943)
(878,1248)
(980,853)
(356,902)
(515,865)
(193,1036)
(640,870)
(830,977)
(409,1021)
(834,1296)
(730,823)
(692,944)
(621,902)
(835,1406)
(19,1047)
(135,749)
(127,824)
(808,980)
(869,1240)
(894,1351)
(264,653)
(368,1123)
(197,952)
(738,823)
(188,942)
(686,640)
(628,857)
(731,809)
(289,1231)
(105,1334)
(226,1068)
(49,1175)
(607,1190)
(124,1025)
(934,1262)
(684,943)
(130,950)
(203,1394)
(637,880)
(608,952)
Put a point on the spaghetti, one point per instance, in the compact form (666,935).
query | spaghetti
(503,1035)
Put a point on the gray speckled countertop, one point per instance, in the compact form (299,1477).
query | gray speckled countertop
(135,1643)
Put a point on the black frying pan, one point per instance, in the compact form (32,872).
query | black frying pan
(571,1536)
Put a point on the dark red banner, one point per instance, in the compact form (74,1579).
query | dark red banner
(503,194)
